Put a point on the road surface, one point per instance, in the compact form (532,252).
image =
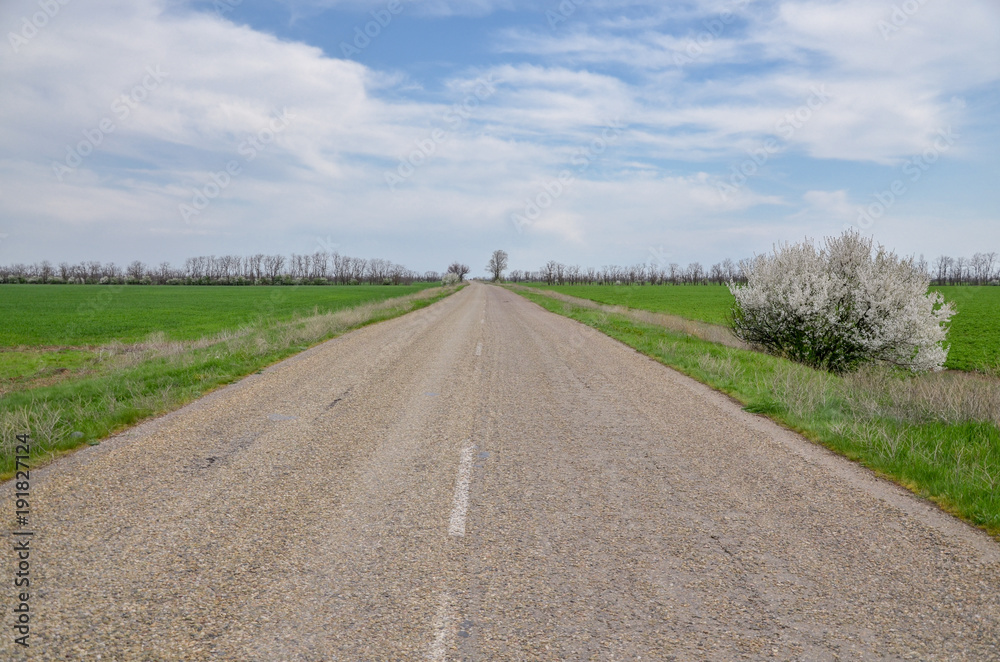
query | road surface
(483,480)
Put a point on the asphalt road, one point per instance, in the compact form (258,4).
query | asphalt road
(483,480)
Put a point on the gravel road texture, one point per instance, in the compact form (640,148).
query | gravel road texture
(484,480)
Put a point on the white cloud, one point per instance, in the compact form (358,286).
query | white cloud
(891,90)
(555,92)
(420,7)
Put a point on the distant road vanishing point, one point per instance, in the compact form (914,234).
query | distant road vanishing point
(484,480)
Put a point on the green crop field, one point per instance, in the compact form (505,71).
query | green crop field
(975,330)
(51,330)
(81,315)
(974,336)
(80,362)
(705,303)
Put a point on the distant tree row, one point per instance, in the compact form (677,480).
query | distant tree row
(981,269)
(320,268)
(556,273)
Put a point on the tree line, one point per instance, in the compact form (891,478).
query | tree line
(319,268)
(331,268)
(654,273)
(980,269)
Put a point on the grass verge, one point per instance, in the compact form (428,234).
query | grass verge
(133,382)
(936,434)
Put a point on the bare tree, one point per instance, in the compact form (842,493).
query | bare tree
(358,266)
(981,267)
(695,273)
(459,269)
(135,271)
(273,265)
(675,272)
(991,260)
(253,266)
(730,270)
(549,272)
(716,274)
(573,274)
(942,266)
(321,261)
(163,273)
(959,270)
(497,264)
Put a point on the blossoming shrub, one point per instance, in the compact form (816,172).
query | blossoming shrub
(841,305)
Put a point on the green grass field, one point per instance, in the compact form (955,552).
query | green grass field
(49,331)
(708,303)
(975,330)
(78,363)
(75,315)
(974,336)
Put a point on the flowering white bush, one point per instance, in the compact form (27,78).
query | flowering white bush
(840,306)
(450,279)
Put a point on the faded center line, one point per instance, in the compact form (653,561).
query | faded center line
(479,349)
(442,625)
(460,504)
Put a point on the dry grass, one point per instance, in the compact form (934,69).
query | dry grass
(40,418)
(946,397)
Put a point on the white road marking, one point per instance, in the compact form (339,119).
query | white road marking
(442,628)
(479,349)
(460,504)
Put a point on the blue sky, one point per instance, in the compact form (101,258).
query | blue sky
(611,131)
